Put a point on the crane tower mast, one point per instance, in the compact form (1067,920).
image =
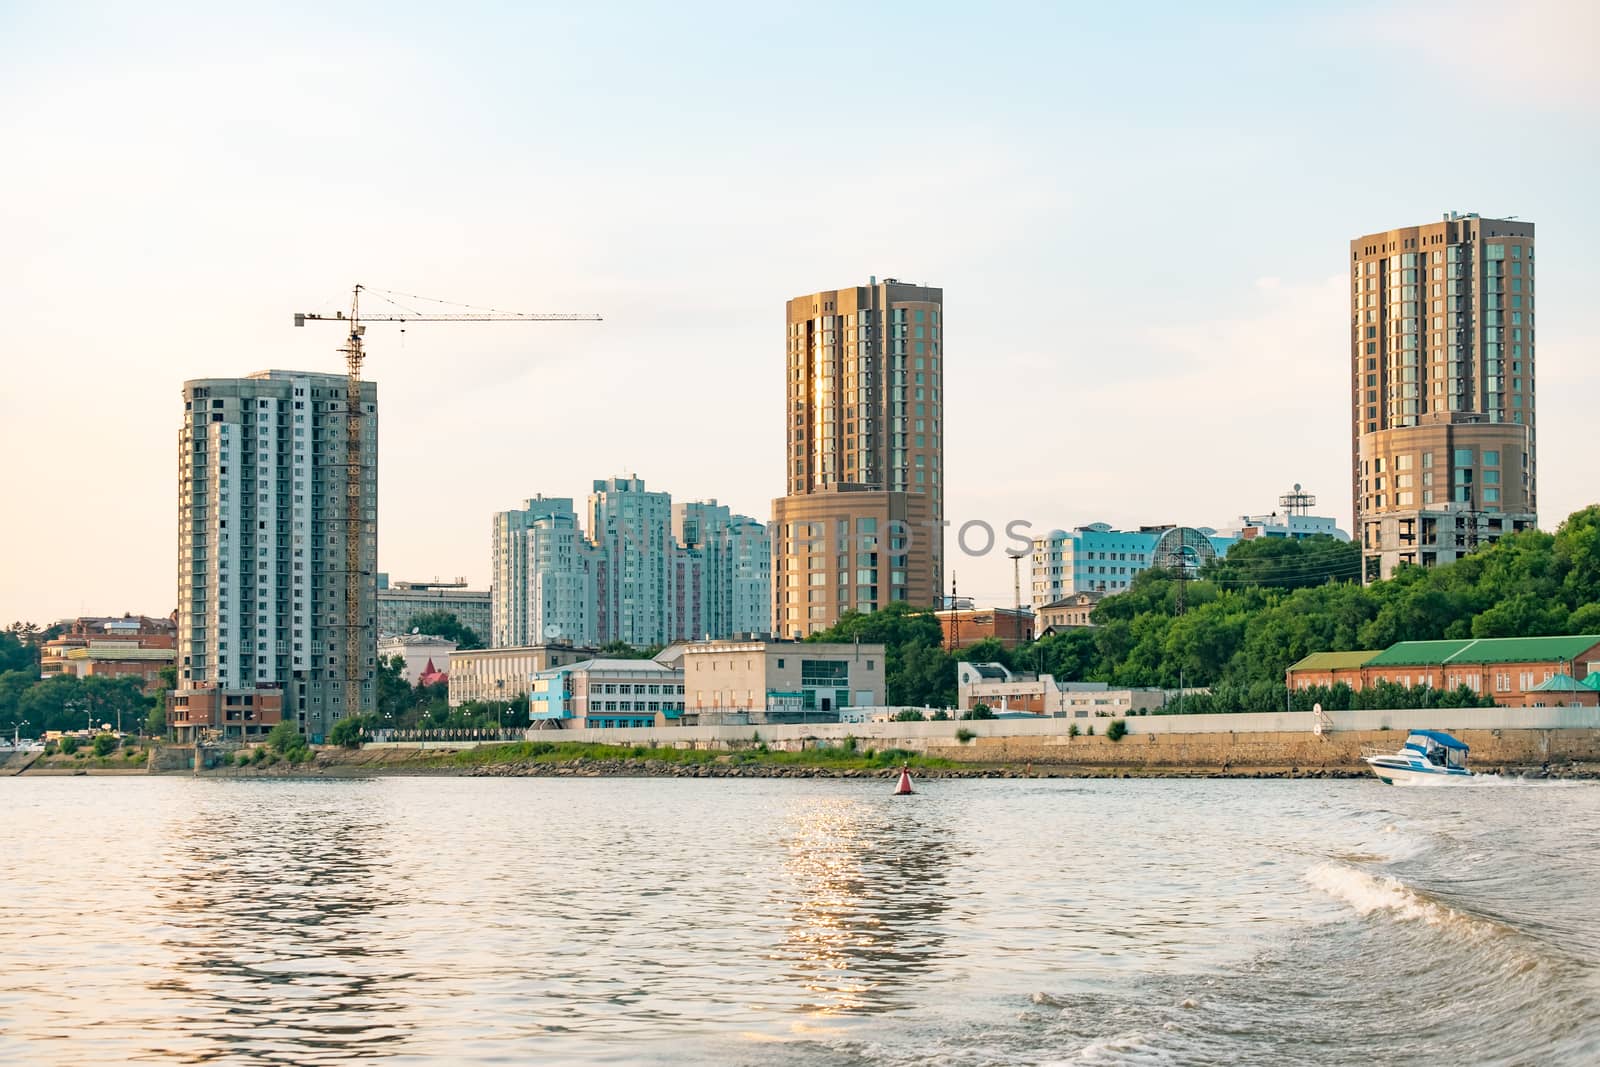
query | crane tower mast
(356,462)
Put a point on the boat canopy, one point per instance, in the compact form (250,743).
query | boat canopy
(1439,737)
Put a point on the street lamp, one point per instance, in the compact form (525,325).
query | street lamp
(16,731)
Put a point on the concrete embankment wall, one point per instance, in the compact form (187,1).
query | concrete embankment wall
(1270,751)
(1275,741)
(14,763)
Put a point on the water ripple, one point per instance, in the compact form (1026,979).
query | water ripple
(622,921)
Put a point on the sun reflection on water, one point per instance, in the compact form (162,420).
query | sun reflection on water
(865,898)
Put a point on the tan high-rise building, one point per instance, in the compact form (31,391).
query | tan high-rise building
(862,524)
(1442,397)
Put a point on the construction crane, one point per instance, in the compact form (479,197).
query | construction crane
(355,460)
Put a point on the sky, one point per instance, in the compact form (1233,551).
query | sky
(1140,217)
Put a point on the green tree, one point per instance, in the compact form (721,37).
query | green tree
(1586,620)
(349,732)
(989,650)
(1576,546)
(20,645)
(919,674)
(1286,563)
(898,625)
(445,624)
(104,744)
(155,723)
(16,654)
(285,738)
(1068,655)
(623,650)
(14,685)
(394,695)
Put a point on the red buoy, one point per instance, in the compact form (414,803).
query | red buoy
(904,788)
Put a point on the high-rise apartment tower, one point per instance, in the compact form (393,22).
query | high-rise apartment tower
(735,567)
(1442,394)
(261,554)
(861,525)
(543,589)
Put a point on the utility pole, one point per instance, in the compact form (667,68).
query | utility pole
(1183,577)
(1016,580)
(1016,591)
(955,616)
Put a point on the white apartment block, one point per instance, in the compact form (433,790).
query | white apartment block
(544,580)
(645,572)
(752,577)
(637,579)
(735,574)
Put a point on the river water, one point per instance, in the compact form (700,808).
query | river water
(422,921)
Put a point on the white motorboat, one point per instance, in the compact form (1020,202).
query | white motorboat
(1429,757)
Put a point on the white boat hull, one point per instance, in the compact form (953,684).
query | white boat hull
(1415,776)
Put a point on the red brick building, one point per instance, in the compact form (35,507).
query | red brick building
(237,716)
(1513,670)
(967,626)
(136,646)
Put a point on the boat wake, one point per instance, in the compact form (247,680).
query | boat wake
(1368,893)
(1491,781)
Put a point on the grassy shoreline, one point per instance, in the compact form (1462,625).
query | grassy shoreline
(587,759)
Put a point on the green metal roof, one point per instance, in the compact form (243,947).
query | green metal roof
(1332,661)
(1592,681)
(1559,683)
(1485,650)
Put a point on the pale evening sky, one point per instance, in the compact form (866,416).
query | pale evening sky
(1139,215)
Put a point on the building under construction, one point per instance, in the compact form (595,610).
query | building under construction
(263,572)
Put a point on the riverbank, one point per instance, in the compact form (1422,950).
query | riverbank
(1083,757)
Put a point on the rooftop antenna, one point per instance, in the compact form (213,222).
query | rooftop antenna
(1297,502)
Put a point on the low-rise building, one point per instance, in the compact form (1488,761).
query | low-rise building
(1566,691)
(1292,521)
(68,654)
(964,627)
(1512,670)
(400,602)
(1069,613)
(232,716)
(424,655)
(1098,559)
(485,674)
(1004,692)
(121,659)
(600,694)
(771,681)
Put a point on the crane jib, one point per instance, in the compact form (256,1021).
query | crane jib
(359,572)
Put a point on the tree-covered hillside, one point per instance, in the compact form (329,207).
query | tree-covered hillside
(1267,605)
